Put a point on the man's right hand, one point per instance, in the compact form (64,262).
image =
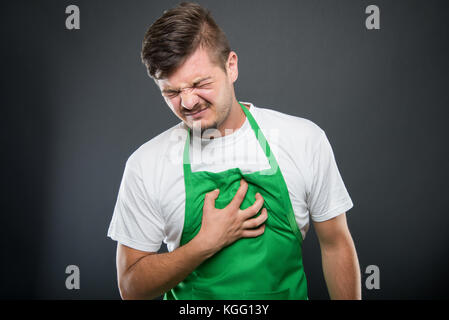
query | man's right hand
(146,275)
(221,227)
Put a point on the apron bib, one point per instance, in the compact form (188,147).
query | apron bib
(268,267)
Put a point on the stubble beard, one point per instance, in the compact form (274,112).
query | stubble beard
(221,117)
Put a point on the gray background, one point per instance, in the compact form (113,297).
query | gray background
(77,103)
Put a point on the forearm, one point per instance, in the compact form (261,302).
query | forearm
(341,270)
(154,274)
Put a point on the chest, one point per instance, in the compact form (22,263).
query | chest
(246,155)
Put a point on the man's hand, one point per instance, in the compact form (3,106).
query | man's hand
(147,275)
(222,227)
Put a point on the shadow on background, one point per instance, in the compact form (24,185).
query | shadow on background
(26,152)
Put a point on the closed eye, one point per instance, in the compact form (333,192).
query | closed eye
(204,85)
(171,94)
(174,93)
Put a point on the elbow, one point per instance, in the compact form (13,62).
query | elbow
(125,293)
(338,241)
(128,294)
(126,289)
(129,291)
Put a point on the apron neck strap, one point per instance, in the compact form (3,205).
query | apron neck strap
(257,131)
(261,138)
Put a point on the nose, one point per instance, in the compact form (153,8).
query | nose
(189,99)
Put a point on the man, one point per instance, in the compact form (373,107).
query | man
(233,222)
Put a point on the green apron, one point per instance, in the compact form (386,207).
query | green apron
(265,267)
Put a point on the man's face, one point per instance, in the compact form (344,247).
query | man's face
(199,90)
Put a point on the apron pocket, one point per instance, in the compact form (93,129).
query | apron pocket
(203,294)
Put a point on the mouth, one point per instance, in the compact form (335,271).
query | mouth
(196,114)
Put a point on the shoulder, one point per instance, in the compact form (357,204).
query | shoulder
(289,128)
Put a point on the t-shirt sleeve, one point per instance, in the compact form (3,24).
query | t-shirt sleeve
(328,196)
(136,221)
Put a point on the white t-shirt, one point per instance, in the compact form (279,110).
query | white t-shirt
(151,201)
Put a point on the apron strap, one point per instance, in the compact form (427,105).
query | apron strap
(274,166)
(260,138)
(271,159)
(186,156)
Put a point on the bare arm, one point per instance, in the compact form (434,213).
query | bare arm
(144,275)
(339,258)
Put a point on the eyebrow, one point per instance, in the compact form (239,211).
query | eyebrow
(196,82)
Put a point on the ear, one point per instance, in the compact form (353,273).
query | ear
(232,66)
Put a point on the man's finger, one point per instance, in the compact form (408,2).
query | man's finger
(239,195)
(209,199)
(252,233)
(255,222)
(254,208)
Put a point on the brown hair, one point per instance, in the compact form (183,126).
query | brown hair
(178,33)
